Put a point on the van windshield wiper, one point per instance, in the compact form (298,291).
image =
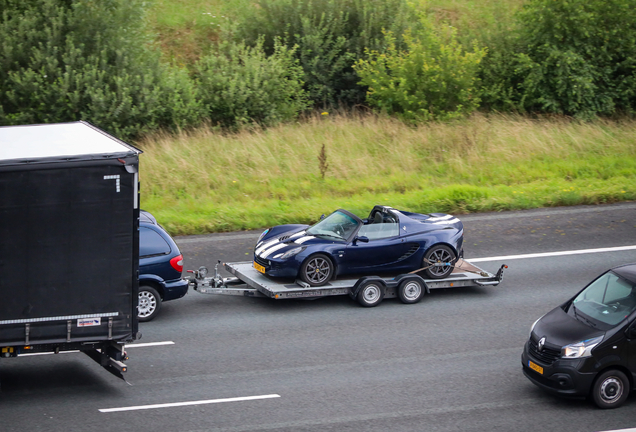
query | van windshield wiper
(581,317)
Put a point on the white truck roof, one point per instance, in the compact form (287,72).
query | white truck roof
(59,141)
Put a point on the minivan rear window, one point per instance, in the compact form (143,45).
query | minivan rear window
(151,243)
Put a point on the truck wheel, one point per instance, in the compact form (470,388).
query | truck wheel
(317,270)
(370,294)
(149,303)
(610,389)
(439,261)
(410,290)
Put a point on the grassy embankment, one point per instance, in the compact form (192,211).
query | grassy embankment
(207,181)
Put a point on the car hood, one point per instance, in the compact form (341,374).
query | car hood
(281,240)
(561,329)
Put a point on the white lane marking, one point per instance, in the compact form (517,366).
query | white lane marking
(551,254)
(140,345)
(179,404)
(622,430)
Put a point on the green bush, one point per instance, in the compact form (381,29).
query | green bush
(66,60)
(241,85)
(568,57)
(431,79)
(331,35)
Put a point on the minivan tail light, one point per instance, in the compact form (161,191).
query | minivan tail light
(177,263)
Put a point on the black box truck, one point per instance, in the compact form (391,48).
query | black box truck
(69,242)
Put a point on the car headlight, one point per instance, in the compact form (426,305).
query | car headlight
(262,235)
(292,252)
(581,349)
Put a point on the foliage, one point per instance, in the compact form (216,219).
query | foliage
(241,85)
(331,35)
(431,79)
(569,57)
(66,60)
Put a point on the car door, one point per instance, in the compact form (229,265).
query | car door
(381,253)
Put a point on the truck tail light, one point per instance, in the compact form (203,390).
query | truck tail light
(177,263)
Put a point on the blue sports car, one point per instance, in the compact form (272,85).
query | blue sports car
(388,241)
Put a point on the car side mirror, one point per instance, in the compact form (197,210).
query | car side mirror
(362,239)
(322,217)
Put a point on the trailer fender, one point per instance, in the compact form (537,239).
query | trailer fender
(355,289)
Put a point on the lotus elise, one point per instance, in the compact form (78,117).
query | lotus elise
(388,241)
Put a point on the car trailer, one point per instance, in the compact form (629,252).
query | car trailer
(367,290)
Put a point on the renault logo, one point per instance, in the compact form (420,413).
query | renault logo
(541,344)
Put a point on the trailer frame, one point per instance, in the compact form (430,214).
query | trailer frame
(367,290)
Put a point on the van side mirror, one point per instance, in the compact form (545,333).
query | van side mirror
(630,333)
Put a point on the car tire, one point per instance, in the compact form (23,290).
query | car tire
(410,290)
(610,389)
(149,303)
(370,293)
(317,270)
(438,262)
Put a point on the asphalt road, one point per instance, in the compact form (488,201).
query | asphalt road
(449,363)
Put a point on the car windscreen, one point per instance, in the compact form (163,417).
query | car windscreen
(606,301)
(337,225)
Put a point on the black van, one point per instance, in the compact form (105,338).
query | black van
(587,346)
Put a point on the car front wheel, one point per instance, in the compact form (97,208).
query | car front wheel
(610,389)
(317,270)
(149,303)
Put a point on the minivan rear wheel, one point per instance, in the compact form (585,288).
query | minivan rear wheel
(149,303)
(610,389)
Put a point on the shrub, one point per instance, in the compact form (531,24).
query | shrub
(241,85)
(431,79)
(579,58)
(331,35)
(66,60)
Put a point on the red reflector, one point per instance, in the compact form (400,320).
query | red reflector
(177,263)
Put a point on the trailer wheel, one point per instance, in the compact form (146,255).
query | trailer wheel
(610,389)
(149,303)
(317,270)
(439,261)
(370,293)
(410,290)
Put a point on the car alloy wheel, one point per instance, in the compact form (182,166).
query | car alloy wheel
(149,303)
(439,261)
(317,270)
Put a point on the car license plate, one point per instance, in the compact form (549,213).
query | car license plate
(259,267)
(535,367)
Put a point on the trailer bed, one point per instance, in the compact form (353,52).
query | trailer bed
(249,282)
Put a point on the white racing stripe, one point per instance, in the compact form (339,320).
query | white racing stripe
(268,252)
(180,404)
(551,254)
(303,239)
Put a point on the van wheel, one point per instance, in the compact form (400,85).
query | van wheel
(149,303)
(610,389)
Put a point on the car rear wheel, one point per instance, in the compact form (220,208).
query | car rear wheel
(149,303)
(317,270)
(610,389)
(411,290)
(439,261)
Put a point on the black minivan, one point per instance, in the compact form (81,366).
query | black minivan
(587,346)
